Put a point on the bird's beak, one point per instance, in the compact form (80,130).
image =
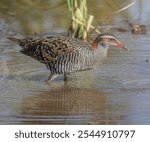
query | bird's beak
(126,48)
(121,45)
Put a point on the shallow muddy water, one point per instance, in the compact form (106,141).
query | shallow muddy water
(117,92)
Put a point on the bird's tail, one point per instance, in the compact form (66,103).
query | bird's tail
(14,39)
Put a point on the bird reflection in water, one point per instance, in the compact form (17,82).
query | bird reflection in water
(66,105)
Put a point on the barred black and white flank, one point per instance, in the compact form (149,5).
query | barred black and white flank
(64,55)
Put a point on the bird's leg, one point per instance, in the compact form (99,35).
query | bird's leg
(51,77)
(65,77)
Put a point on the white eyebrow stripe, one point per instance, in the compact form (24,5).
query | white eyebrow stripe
(110,36)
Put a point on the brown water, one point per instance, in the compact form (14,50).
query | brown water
(117,92)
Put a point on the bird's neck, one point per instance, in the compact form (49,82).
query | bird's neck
(101,53)
(103,50)
(100,48)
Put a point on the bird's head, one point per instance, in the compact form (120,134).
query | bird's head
(107,40)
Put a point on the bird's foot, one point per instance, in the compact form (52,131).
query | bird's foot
(51,78)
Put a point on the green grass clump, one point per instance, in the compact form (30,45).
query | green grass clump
(81,22)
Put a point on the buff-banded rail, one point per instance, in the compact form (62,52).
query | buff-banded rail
(65,55)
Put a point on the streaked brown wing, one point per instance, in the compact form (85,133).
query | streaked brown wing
(57,46)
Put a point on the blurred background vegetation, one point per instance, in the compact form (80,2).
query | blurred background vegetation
(43,16)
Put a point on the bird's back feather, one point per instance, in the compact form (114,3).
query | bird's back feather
(49,48)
